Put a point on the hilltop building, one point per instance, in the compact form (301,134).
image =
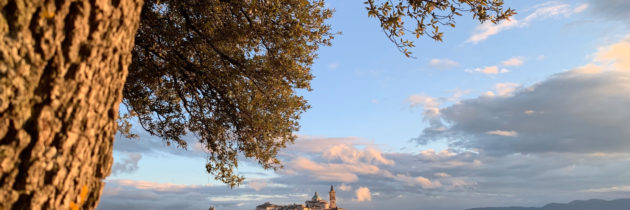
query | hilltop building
(316,203)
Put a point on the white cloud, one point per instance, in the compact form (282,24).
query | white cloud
(487,29)
(428,103)
(549,9)
(363,194)
(489,70)
(345,187)
(315,144)
(443,63)
(625,188)
(129,164)
(495,69)
(514,61)
(457,94)
(431,105)
(580,8)
(545,10)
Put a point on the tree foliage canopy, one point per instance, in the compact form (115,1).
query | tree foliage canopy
(228,71)
(429,15)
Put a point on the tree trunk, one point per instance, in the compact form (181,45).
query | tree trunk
(63,65)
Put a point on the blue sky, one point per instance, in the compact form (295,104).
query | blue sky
(525,112)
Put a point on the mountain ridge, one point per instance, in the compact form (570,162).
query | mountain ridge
(591,204)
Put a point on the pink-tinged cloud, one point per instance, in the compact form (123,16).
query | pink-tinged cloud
(490,70)
(147,185)
(488,94)
(461,183)
(502,133)
(580,8)
(430,105)
(441,174)
(414,181)
(345,187)
(331,171)
(514,61)
(506,89)
(112,191)
(426,183)
(529,112)
(349,154)
(257,184)
(431,154)
(615,56)
(363,194)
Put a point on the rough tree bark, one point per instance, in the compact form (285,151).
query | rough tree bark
(63,65)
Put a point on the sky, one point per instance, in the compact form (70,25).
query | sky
(522,113)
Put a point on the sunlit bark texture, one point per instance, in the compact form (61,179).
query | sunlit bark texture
(63,65)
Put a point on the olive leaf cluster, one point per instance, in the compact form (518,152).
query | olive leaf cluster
(429,15)
(226,72)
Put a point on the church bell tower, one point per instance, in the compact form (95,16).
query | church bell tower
(333,200)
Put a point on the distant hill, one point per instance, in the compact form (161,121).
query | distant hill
(593,204)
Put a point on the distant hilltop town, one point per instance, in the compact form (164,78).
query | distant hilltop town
(316,203)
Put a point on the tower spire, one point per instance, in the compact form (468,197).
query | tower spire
(333,200)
